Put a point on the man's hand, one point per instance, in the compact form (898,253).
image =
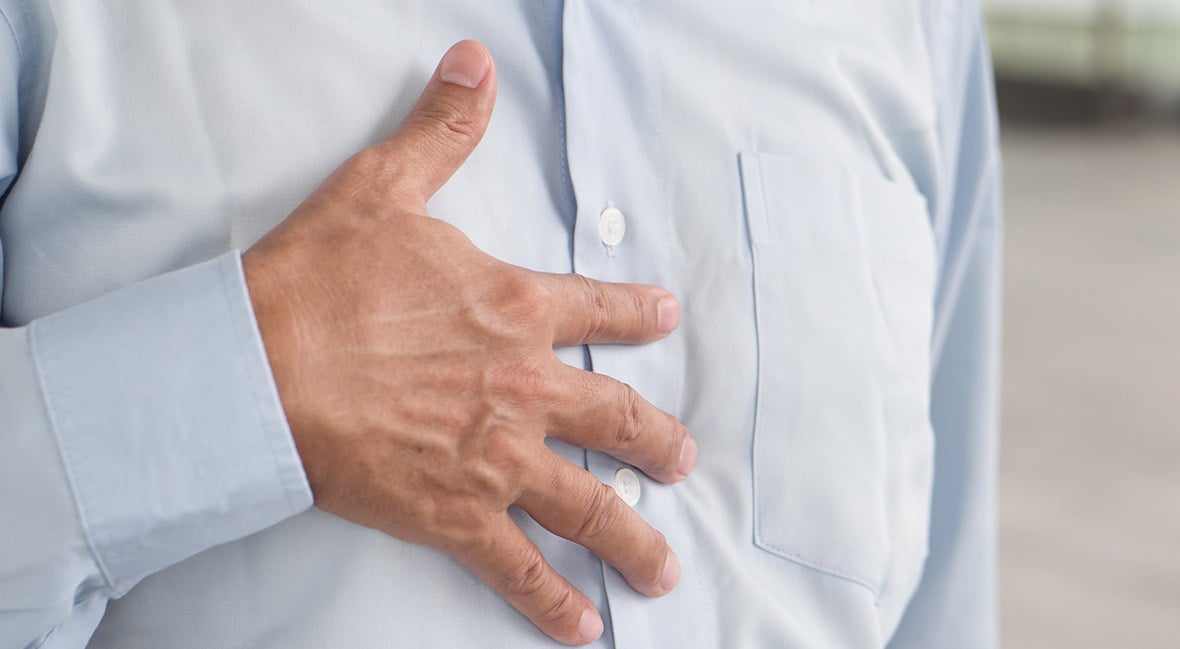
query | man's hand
(419,378)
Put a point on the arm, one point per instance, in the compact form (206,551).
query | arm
(135,430)
(416,372)
(955,604)
(139,429)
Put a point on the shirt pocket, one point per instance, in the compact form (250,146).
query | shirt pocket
(843,292)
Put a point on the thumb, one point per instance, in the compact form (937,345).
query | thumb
(446,124)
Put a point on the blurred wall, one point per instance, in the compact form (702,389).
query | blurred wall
(1089,96)
(1123,46)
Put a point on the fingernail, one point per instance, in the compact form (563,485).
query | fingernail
(590,626)
(688,456)
(465,64)
(669,314)
(671,575)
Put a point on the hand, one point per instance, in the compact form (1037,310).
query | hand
(419,378)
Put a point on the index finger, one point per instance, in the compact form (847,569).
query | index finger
(589,311)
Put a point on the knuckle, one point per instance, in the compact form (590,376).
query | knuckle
(600,514)
(527,578)
(525,380)
(446,121)
(367,163)
(457,528)
(644,314)
(559,609)
(640,312)
(600,311)
(505,451)
(532,302)
(517,305)
(631,421)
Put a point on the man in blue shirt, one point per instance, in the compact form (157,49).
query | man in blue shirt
(813,189)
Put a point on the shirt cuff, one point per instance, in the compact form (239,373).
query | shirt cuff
(170,426)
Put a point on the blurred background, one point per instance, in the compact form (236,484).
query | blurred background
(1089,94)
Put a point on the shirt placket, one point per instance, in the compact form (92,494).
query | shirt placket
(622,232)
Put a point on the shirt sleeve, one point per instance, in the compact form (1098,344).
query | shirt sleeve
(955,605)
(136,430)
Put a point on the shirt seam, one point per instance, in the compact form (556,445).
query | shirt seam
(34,65)
(20,52)
(566,176)
(46,638)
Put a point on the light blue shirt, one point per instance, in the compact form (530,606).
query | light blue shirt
(817,183)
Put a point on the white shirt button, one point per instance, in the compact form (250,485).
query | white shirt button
(627,485)
(611,226)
